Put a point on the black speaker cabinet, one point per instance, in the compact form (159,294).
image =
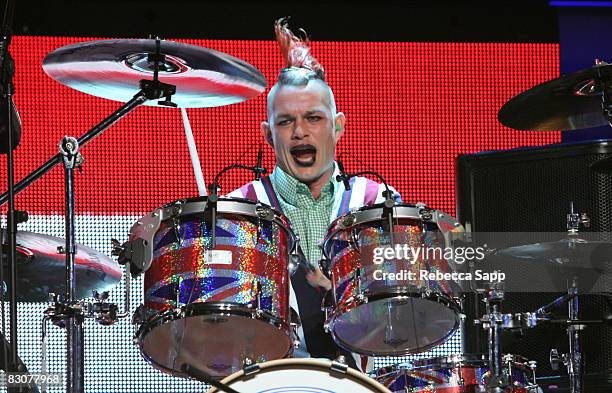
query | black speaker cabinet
(530,190)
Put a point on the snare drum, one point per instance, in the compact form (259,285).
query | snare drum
(301,376)
(215,307)
(456,374)
(382,305)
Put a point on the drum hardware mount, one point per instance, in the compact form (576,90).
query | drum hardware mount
(250,367)
(573,360)
(69,155)
(214,188)
(491,322)
(339,364)
(575,220)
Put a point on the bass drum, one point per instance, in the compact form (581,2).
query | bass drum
(382,303)
(215,306)
(301,376)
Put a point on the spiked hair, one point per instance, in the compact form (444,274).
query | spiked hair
(300,66)
(296,53)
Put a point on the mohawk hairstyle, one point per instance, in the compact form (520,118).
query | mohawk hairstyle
(299,63)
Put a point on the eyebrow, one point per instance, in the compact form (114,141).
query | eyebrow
(308,113)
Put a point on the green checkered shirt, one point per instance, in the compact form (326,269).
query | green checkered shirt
(309,218)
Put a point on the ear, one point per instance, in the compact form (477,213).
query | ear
(267,133)
(340,122)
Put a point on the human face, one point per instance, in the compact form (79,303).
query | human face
(304,131)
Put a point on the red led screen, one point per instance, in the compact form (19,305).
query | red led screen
(411,108)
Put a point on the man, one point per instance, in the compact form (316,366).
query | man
(303,128)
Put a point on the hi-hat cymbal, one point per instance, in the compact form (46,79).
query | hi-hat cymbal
(113,68)
(550,266)
(570,102)
(568,252)
(41,269)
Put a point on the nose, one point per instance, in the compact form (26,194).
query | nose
(299,131)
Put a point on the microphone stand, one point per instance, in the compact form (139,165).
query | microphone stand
(213,198)
(7,90)
(388,194)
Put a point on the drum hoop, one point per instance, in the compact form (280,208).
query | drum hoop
(373,213)
(207,308)
(305,363)
(449,361)
(229,308)
(225,205)
(386,293)
(448,302)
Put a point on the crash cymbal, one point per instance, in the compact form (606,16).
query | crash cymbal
(113,68)
(41,269)
(603,166)
(570,102)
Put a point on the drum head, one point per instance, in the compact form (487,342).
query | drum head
(302,376)
(217,342)
(395,326)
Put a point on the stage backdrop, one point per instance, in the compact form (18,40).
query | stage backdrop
(411,108)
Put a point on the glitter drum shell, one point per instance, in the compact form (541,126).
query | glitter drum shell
(373,314)
(214,309)
(454,374)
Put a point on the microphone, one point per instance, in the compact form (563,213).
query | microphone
(4,108)
(343,177)
(4,126)
(258,169)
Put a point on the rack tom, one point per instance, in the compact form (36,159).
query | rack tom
(215,306)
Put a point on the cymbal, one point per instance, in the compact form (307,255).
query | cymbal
(112,69)
(41,269)
(570,102)
(603,166)
(550,266)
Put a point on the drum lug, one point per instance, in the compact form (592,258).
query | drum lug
(264,212)
(426,214)
(249,367)
(294,263)
(361,298)
(139,315)
(348,221)
(533,365)
(357,283)
(327,312)
(257,295)
(339,364)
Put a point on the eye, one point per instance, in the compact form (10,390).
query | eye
(313,118)
(283,122)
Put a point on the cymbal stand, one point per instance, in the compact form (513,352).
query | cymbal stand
(575,367)
(572,360)
(75,376)
(66,312)
(7,88)
(499,380)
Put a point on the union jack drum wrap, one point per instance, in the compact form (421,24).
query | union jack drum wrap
(214,307)
(453,374)
(384,307)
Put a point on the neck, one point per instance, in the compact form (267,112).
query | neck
(317,185)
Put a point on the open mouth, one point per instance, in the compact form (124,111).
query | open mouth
(304,155)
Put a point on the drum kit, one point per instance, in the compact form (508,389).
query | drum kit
(217,270)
